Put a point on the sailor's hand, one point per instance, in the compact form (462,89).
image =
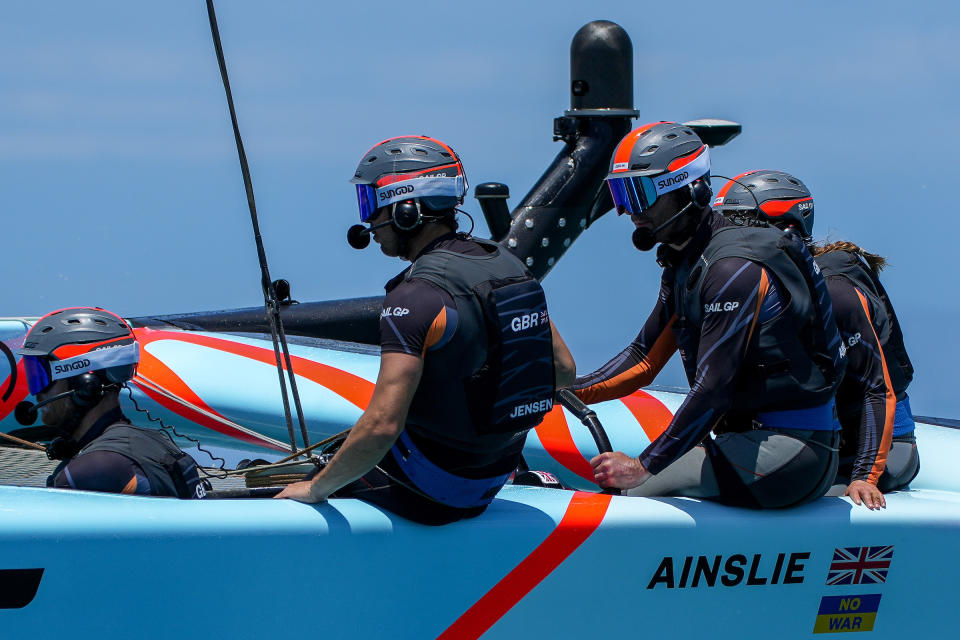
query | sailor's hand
(301,492)
(862,492)
(618,470)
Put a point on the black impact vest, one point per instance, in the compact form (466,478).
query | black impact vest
(794,362)
(494,379)
(170,471)
(847,264)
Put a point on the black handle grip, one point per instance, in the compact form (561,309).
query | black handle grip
(588,417)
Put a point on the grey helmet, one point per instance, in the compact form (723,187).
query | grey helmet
(653,149)
(655,159)
(425,165)
(775,197)
(70,342)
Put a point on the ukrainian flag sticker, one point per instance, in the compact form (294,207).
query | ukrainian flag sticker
(840,614)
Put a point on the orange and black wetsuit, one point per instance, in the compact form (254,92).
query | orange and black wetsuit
(420,318)
(417,315)
(739,296)
(742,293)
(116,457)
(865,400)
(102,471)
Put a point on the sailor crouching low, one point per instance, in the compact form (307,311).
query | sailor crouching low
(750,317)
(76,360)
(878,451)
(469,358)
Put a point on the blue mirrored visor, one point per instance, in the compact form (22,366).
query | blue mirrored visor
(38,373)
(632,194)
(367,201)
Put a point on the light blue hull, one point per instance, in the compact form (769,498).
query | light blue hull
(546,562)
(157,568)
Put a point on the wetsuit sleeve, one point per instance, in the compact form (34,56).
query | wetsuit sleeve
(105,471)
(638,364)
(417,316)
(737,294)
(866,367)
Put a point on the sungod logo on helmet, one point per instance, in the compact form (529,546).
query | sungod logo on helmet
(71,366)
(672,180)
(392,193)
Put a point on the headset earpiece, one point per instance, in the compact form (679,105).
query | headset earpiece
(700,192)
(406,215)
(87,389)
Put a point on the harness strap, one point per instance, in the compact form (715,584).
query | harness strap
(903,418)
(821,418)
(441,485)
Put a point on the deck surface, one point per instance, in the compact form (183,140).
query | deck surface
(29,468)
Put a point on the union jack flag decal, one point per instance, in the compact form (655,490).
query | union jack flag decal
(860,565)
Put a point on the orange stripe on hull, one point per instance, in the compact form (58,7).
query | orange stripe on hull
(554,434)
(17,394)
(584,514)
(354,389)
(652,415)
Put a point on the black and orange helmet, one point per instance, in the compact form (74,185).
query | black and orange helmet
(775,197)
(653,160)
(409,168)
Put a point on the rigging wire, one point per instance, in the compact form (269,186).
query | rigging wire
(170,428)
(148,384)
(269,291)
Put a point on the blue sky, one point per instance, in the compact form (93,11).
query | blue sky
(119,183)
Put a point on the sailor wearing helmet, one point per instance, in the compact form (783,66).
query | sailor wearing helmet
(469,357)
(878,450)
(748,312)
(76,361)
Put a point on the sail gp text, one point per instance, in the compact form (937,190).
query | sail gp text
(729,571)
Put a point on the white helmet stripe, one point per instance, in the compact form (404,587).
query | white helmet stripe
(684,175)
(95,360)
(421,188)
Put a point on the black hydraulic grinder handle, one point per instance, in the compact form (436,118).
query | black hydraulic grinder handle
(588,417)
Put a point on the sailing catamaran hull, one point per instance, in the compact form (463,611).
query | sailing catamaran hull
(540,561)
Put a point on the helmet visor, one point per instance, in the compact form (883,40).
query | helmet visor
(632,194)
(37,369)
(366,201)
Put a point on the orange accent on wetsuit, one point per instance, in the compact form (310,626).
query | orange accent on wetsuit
(131,486)
(639,375)
(762,290)
(436,330)
(890,402)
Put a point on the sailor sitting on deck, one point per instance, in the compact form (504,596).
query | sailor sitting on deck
(878,450)
(76,360)
(750,316)
(469,357)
